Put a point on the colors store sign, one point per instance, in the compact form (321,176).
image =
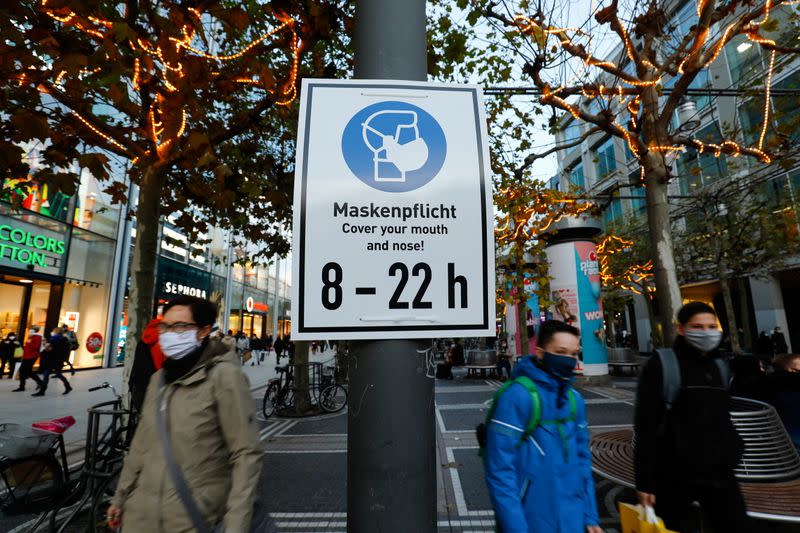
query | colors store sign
(27,247)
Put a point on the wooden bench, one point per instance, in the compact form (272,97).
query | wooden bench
(612,458)
(472,370)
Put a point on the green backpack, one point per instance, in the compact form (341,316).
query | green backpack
(536,413)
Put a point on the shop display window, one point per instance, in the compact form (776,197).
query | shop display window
(86,295)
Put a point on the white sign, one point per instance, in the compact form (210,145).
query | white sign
(393,212)
(176,288)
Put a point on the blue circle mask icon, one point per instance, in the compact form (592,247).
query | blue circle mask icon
(394,146)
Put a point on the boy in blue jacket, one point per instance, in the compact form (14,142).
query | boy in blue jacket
(542,482)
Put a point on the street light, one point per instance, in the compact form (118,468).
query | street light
(688,120)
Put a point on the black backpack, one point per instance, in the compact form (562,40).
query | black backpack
(671,375)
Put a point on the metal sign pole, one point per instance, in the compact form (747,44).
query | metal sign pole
(391,442)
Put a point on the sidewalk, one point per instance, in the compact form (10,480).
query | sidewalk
(22,408)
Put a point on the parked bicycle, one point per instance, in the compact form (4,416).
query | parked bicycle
(323,389)
(279,394)
(333,395)
(38,480)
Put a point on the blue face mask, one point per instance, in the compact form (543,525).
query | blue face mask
(560,366)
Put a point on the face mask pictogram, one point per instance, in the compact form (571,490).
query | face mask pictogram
(407,157)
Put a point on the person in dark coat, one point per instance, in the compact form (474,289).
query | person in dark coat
(688,453)
(54,356)
(146,361)
(8,346)
(764,347)
(781,389)
(779,341)
(278,346)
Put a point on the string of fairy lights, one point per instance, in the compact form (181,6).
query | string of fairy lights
(166,64)
(630,97)
(636,278)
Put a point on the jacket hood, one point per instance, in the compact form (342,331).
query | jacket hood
(527,367)
(150,333)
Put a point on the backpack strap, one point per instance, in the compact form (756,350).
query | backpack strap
(536,405)
(670,376)
(724,372)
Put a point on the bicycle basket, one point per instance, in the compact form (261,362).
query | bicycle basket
(18,441)
(30,484)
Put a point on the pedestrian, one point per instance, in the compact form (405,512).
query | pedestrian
(30,353)
(764,347)
(242,346)
(74,344)
(686,447)
(55,353)
(255,348)
(779,341)
(147,360)
(457,353)
(212,432)
(288,345)
(781,389)
(8,347)
(540,480)
(278,346)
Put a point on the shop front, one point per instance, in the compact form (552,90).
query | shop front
(251,313)
(179,279)
(52,273)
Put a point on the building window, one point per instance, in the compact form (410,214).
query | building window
(639,203)
(612,213)
(698,170)
(744,59)
(576,177)
(606,159)
(571,132)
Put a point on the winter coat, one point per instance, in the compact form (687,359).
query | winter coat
(782,391)
(57,352)
(33,347)
(695,442)
(8,346)
(146,361)
(215,439)
(543,484)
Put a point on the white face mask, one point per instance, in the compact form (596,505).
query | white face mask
(179,345)
(32,332)
(703,340)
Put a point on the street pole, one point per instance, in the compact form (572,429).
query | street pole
(391,439)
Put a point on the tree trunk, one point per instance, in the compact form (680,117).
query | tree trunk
(655,336)
(666,279)
(143,265)
(302,403)
(522,313)
(612,330)
(744,313)
(732,327)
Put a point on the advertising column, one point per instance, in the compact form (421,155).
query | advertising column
(575,289)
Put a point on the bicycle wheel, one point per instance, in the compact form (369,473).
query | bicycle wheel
(31,484)
(270,400)
(333,399)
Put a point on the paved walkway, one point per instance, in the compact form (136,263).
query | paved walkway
(22,408)
(307,459)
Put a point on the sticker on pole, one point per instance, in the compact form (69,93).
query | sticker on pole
(392,212)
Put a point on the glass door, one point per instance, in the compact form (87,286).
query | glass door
(12,300)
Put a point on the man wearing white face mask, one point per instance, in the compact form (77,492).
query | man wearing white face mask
(686,446)
(208,416)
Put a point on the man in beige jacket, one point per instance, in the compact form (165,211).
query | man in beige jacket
(213,432)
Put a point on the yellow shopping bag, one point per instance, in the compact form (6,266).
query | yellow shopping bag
(638,519)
